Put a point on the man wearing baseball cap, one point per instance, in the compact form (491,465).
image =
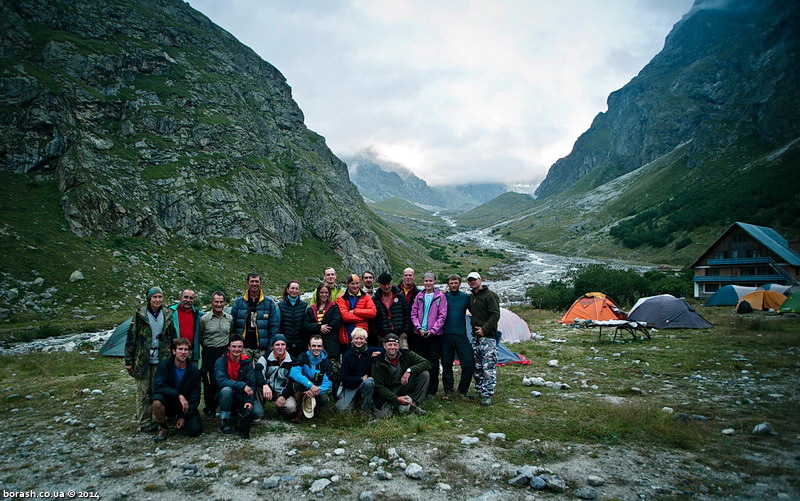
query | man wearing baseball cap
(485,308)
(401,379)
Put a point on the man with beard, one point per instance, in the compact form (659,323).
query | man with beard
(185,321)
(368,281)
(177,392)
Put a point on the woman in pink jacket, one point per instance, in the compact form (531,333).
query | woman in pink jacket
(428,313)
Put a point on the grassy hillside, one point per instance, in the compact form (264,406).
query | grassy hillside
(500,208)
(37,244)
(674,211)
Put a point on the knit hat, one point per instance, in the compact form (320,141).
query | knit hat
(353,278)
(385,278)
(278,337)
(153,291)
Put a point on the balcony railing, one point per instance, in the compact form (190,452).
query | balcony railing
(741,278)
(738,261)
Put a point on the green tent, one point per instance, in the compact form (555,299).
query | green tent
(115,345)
(791,305)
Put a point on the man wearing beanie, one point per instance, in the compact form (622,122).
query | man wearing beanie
(146,345)
(272,377)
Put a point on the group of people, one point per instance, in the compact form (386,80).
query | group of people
(373,348)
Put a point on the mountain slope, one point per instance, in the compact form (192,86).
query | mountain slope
(715,117)
(726,78)
(156,123)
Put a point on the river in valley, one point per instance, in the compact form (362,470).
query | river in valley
(528,267)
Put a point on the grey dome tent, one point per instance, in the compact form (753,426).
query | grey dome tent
(115,344)
(666,311)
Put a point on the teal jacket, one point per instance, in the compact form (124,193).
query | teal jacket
(174,329)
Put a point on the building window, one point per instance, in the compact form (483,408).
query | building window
(710,288)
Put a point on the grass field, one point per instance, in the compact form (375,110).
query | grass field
(741,373)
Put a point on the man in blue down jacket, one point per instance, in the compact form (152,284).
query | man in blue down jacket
(255,318)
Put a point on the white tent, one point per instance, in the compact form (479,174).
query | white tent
(513,327)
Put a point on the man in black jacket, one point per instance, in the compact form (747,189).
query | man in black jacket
(393,315)
(177,392)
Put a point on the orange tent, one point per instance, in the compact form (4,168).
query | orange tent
(763,300)
(592,306)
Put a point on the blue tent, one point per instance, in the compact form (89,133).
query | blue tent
(729,295)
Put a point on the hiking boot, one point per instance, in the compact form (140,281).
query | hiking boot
(225,427)
(209,413)
(448,395)
(486,400)
(162,434)
(244,427)
(149,428)
(245,420)
(297,417)
(417,410)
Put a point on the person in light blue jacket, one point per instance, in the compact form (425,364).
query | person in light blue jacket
(311,374)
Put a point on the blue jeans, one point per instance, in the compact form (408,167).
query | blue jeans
(230,400)
(363,394)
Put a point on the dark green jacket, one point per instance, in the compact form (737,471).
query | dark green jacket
(385,385)
(485,308)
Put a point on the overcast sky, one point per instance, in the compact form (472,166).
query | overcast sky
(455,90)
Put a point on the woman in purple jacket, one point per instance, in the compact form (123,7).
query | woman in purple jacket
(428,313)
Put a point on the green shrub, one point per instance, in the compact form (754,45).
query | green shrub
(556,295)
(623,286)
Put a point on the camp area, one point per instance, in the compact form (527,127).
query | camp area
(630,410)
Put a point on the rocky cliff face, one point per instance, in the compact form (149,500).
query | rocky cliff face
(158,123)
(726,78)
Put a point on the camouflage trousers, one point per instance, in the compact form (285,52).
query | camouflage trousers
(485,350)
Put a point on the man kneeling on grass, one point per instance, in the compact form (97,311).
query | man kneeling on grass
(236,380)
(312,378)
(401,379)
(177,392)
